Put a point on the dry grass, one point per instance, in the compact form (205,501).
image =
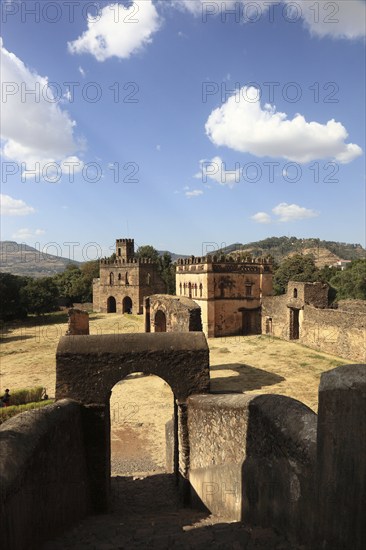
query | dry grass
(253,364)
(143,404)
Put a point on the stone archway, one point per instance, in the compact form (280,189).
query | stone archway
(88,367)
(160,321)
(111,305)
(126,305)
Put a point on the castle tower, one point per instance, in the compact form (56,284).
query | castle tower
(125,249)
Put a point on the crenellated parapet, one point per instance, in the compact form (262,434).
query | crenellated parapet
(126,262)
(222,259)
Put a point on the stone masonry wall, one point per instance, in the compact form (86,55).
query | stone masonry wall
(253,459)
(181,313)
(43,474)
(339,331)
(78,322)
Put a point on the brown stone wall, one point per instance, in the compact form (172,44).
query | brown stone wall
(87,368)
(120,280)
(78,322)
(339,332)
(181,313)
(252,458)
(335,331)
(43,474)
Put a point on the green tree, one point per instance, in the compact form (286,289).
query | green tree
(40,295)
(298,267)
(11,305)
(351,282)
(148,251)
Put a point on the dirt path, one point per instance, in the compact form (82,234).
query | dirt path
(146,514)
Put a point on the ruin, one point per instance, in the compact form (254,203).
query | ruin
(125,281)
(164,313)
(266,460)
(229,292)
(303,315)
(78,322)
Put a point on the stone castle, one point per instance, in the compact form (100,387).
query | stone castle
(229,292)
(125,281)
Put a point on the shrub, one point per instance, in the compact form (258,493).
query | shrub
(29,395)
(8,412)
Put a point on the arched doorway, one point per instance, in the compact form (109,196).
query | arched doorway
(103,361)
(160,321)
(111,305)
(127,305)
(139,441)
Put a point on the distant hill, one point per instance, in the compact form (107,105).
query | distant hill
(24,260)
(174,256)
(324,252)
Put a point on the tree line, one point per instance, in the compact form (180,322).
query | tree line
(20,296)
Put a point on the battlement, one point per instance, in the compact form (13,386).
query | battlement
(125,241)
(125,249)
(126,261)
(213,259)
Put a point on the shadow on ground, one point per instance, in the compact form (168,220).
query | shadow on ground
(247,378)
(146,513)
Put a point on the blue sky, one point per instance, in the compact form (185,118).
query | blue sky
(181,123)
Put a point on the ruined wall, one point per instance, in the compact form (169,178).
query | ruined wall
(270,461)
(181,313)
(339,331)
(253,458)
(335,331)
(43,474)
(78,322)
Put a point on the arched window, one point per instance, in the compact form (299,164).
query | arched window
(195,290)
(189,290)
(201,288)
(180,288)
(119,276)
(148,279)
(295,292)
(111,278)
(184,289)
(126,279)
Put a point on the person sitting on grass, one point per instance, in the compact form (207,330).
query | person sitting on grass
(5,399)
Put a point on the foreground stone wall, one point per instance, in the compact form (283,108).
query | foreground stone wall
(253,459)
(268,460)
(43,474)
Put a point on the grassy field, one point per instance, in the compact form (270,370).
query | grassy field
(141,405)
(252,364)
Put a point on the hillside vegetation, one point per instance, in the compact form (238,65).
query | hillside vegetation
(324,253)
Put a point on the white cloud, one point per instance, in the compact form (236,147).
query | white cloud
(215,169)
(293,212)
(14,207)
(242,125)
(261,217)
(82,72)
(194,193)
(34,127)
(26,234)
(340,19)
(286,213)
(118,31)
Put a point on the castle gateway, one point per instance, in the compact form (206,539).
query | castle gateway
(229,292)
(125,281)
